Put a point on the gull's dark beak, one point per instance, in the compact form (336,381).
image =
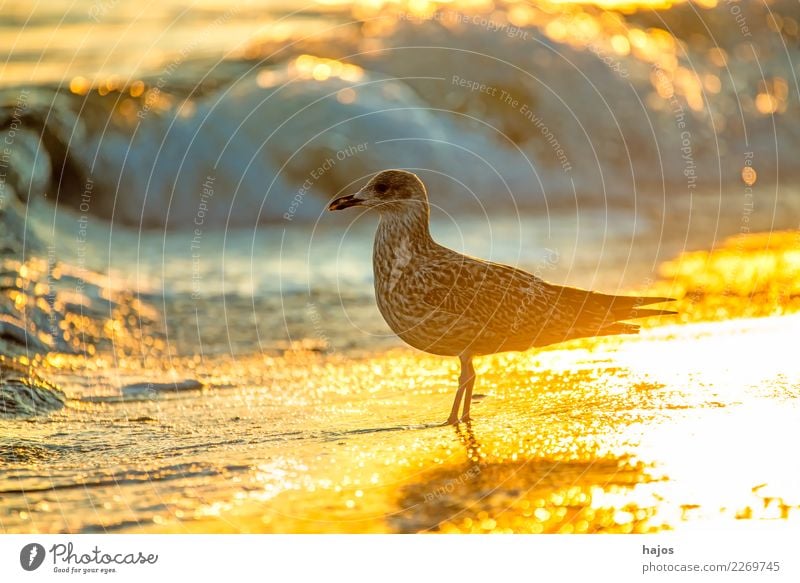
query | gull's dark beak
(345,202)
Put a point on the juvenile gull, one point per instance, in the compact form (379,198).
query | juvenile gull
(450,304)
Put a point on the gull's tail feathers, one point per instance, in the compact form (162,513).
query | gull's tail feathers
(631,307)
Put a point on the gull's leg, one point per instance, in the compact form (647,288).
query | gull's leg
(462,385)
(467,380)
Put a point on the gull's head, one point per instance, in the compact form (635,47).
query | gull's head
(387,191)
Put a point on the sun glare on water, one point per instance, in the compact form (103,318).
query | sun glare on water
(684,425)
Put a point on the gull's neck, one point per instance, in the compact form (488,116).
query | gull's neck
(411,223)
(403,238)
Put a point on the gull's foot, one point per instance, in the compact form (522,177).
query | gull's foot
(452,420)
(466,418)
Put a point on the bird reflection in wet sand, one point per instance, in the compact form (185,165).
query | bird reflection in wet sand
(450,304)
(472,446)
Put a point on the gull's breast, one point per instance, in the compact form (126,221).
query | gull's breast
(400,295)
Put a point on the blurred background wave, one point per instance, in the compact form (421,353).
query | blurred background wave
(164,166)
(504,104)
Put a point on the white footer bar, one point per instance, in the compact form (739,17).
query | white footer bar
(761,554)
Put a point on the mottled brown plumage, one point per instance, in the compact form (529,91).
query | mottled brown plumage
(447,303)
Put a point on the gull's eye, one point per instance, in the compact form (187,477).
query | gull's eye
(381,188)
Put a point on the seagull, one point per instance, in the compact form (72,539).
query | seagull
(449,304)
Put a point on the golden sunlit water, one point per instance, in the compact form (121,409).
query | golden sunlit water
(688,425)
(596,25)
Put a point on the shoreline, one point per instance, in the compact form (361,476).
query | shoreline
(599,435)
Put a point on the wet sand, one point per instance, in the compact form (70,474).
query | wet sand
(634,435)
(689,425)
(681,427)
